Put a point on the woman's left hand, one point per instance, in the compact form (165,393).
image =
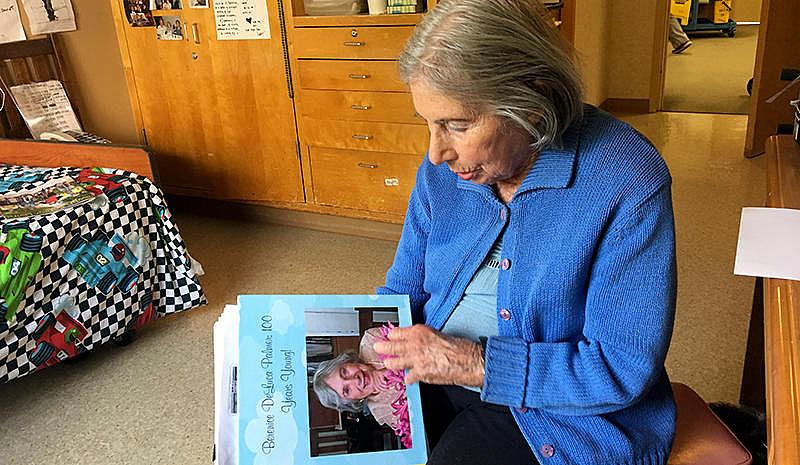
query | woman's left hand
(433,357)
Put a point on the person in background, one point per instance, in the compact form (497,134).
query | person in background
(679,40)
(538,253)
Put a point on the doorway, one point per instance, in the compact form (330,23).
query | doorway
(712,74)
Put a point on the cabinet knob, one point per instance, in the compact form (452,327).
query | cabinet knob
(359,107)
(349,43)
(361,137)
(369,166)
(358,76)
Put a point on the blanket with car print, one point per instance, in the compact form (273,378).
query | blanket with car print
(86,255)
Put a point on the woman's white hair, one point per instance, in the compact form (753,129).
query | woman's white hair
(498,57)
(326,395)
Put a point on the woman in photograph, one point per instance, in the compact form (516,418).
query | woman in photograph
(351,381)
(538,251)
(161,28)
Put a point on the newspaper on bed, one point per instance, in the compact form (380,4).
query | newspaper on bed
(52,196)
(266,351)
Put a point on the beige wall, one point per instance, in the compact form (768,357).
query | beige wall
(592,36)
(630,64)
(95,73)
(747,10)
(614,42)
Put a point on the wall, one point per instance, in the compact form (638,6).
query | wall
(630,52)
(747,10)
(592,36)
(614,44)
(94,71)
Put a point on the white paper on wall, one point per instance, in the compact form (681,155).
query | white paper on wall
(45,107)
(241,19)
(10,24)
(48,16)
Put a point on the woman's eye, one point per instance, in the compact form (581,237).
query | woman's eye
(457,127)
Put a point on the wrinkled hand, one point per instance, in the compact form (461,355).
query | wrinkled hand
(433,357)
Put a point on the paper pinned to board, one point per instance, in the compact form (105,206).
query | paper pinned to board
(48,16)
(241,19)
(45,107)
(769,243)
(10,23)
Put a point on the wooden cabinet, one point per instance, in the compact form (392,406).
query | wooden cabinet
(362,141)
(314,118)
(217,114)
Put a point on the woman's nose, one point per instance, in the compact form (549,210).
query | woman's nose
(438,150)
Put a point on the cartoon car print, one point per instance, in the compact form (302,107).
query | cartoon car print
(104,263)
(20,260)
(148,312)
(97,182)
(16,181)
(58,336)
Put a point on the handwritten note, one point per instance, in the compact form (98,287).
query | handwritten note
(10,24)
(241,19)
(45,107)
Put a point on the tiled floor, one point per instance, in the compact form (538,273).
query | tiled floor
(711,76)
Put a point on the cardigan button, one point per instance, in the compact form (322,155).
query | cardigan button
(505,264)
(547,450)
(505,314)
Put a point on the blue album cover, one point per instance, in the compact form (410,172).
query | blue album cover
(312,390)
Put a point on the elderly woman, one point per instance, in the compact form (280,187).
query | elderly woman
(350,381)
(538,250)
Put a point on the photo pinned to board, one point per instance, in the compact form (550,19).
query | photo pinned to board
(169,28)
(138,13)
(198,3)
(165,4)
(48,16)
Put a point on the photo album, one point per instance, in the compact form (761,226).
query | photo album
(297,382)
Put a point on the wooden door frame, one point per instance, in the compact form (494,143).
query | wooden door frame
(763,117)
(659,64)
(119,25)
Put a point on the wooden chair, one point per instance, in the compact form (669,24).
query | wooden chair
(701,438)
(24,62)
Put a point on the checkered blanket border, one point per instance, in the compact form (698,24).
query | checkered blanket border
(167,275)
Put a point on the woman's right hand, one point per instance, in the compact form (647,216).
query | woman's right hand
(433,357)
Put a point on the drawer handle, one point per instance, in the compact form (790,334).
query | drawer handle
(353,44)
(369,166)
(359,76)
(359,107)
(361,137)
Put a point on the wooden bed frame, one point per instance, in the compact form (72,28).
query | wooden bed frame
(136,159)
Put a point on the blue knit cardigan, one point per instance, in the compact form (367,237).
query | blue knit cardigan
(589,297)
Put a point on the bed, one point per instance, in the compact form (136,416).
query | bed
(89,251)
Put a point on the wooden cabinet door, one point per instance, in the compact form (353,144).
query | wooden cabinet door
(218,113)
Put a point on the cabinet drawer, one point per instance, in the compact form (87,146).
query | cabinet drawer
(363,180)
(357,135)
(350,75)
(360,106)
(350,42)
